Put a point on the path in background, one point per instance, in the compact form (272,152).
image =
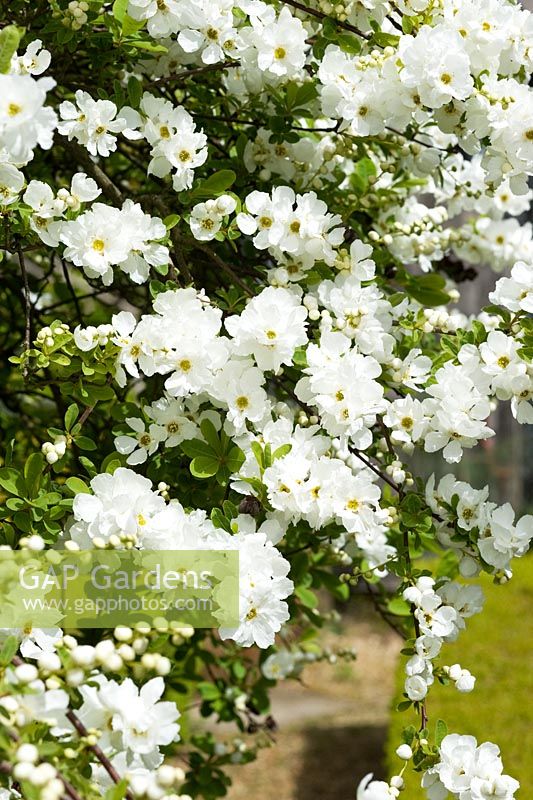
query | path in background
(333,730)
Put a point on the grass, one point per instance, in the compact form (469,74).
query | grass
(497,647)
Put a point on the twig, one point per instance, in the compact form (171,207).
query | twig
(224,267)
(196,71)
(73,294)
(357,453)
(94,748)
(177,244)
(422,706)
(107,186)
(320,15)
(27,302)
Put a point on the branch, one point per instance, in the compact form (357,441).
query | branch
(176,240)
(223,266)
(358,454)
(28,307)
(322,16)
(107,186)
(408,563)
(96,750)
(196,71)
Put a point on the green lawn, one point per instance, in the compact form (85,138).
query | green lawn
(497,647)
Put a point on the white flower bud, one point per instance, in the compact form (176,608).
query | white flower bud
(84,655)
(26,673)
(27,752)
(75,677)
(50,662)
(122,633)
(404,752)
(35,543)
(23,770)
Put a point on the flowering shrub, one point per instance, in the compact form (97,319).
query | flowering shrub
(233,235)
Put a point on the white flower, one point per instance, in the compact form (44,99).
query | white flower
(463,679)
(34,61)
(206,218)
(270,328)
(279,665)
(369,789)
(104,237)
(169,414)
(436,65)
(133,719)
(47,208)
(177,147)
(473,772)
(516,292)
(281,44)
(122,503)
(262,615)
(240,385)
(93,123)
(11,183)
(289,225)
(502,362)
(163,16)
(144,444)
(24,120)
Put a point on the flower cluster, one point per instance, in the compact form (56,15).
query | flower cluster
(292,227)
(123,510)
(440,613)
(469,771)
(486,530)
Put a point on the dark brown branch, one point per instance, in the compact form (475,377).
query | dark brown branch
(196,71)
(320,15)
(95,749)
(107,186)
(27,303)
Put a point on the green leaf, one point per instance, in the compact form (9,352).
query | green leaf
(120,8)
(209,691)
(404,705)
(71,416)
(9,41)
(399,607)
(33,472)
(428,290)
(9,648)
(281,451)
(213,186)
(210,434)
(84,443)
(130,25)
(235,459)
(196,448)
(171,221)
(152,47)
(441,730)
(350,44)
(407,24)
(204,467)
(306,597)
(135,91)
(77,486)
(117,791)
(11,480)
